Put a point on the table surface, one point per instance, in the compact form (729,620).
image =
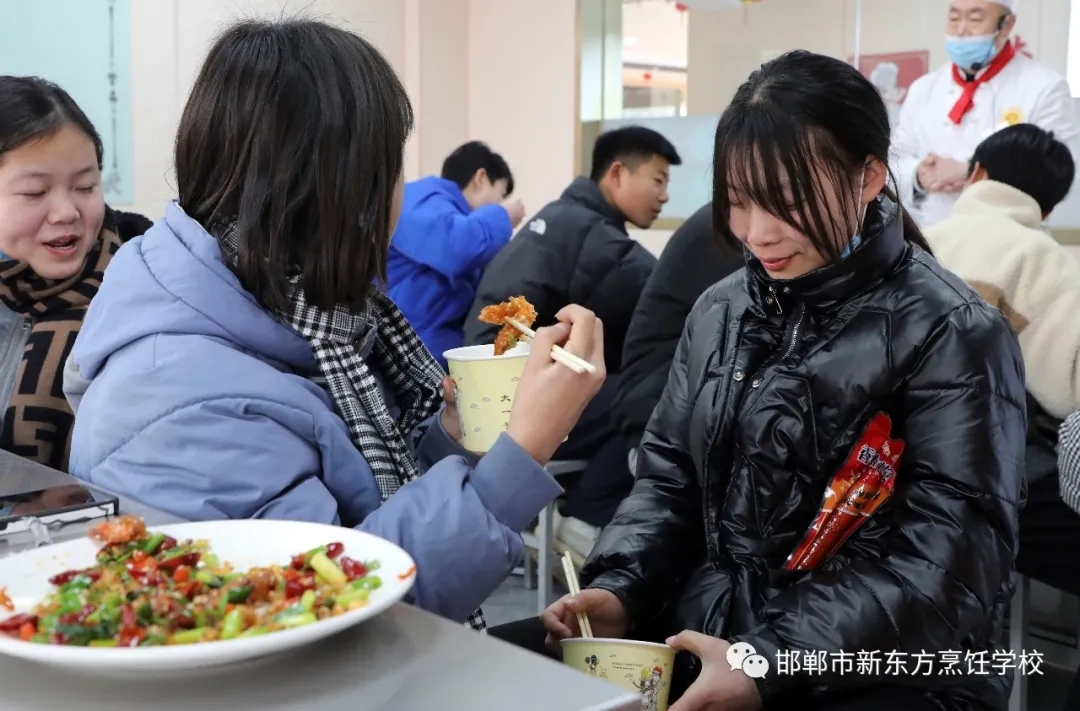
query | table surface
(404,659)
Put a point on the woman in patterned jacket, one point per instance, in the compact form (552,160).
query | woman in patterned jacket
(56,238)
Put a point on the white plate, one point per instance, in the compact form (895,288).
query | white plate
(244,544)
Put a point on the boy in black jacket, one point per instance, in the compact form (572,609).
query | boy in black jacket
(576,251)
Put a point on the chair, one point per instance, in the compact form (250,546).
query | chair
(544,539)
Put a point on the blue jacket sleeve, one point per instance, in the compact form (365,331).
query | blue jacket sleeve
(438,236)
(463,525)
(230,459)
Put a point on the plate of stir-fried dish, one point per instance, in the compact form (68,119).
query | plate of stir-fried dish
(193,595)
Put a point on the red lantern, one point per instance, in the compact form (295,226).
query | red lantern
(647,76)
(681,7)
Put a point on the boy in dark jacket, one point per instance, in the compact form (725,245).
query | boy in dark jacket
(577,251)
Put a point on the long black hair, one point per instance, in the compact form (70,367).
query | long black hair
(32,108)
(296,131)
(800,128)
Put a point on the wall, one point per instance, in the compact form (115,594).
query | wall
(515,86)
(523,90)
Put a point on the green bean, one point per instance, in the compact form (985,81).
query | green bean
(102,643)
(152,543)
(307,600)
(255,632)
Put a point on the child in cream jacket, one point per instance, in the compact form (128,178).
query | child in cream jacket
(994,240)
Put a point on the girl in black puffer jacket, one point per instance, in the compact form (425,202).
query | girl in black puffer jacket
(780,369)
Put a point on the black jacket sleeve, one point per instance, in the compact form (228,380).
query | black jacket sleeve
(609,276)
(952,523)
(633,557)
(691,262)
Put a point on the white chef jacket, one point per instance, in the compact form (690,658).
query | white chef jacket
(1023,92)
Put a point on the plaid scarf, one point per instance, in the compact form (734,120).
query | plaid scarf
(412,376)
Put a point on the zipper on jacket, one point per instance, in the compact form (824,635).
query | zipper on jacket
(774,300)
(794,333)
(787,347)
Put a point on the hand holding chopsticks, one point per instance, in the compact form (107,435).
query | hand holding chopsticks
(574,586)
(558,354)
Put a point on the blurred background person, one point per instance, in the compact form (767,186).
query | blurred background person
(993,241)
(692,261)
(577,250)
(986,85)
(450,228)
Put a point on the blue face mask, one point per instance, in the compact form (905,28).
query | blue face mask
(860,217)
(970,52)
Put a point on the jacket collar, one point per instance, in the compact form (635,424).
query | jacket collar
(882,248)
(989,197)
(587,193)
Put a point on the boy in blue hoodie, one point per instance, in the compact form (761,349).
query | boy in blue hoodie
(450,228)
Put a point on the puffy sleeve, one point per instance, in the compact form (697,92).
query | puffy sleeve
(633,557)
(951,528)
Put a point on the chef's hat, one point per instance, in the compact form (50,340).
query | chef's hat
(1009,5)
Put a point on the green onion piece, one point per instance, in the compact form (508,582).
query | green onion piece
(189,636)
(238,596)
(232,625)
(209,579)
(328,570)
(296,620)
(352,595)
(368,582)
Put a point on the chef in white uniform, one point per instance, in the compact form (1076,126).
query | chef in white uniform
(986,86)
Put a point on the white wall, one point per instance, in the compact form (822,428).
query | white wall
(169,40)
(515,86)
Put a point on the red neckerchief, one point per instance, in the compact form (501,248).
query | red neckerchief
(970,86)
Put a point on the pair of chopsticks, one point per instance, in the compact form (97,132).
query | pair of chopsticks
(558,353)
(575,588)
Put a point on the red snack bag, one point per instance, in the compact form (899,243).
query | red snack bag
(886,475)
(854,488)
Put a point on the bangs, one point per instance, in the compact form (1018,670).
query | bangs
(762,157)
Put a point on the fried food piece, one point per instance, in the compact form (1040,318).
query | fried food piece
(119,530)
(516,308)
(5,601)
